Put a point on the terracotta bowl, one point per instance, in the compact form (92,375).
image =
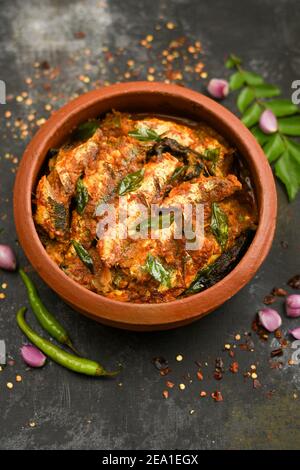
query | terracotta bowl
(162,99)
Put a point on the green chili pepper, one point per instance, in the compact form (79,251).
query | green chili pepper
(44,317)
(65,359)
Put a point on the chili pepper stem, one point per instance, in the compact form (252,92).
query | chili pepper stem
(72,347)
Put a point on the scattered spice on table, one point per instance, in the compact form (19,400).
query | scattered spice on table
(242,342)
(234,367)
(217,396)
(294,282)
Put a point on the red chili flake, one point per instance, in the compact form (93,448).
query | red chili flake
(218,375)
(47,86)
(243,346)
(44,65)
(199,375)
(231,353)
(234,367)
(255,325)
(276,352)
(276,364)
(79,35)
(294,282)
(284,342)
(259,330)
(279,292)
(169,384)
(269,299)
(217,396)
(164,372)
(165,394)
(203,393)
(219,364)
(270,394)
(256,384)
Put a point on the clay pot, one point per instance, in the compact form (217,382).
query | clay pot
(146,97)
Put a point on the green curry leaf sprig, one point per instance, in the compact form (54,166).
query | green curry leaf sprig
(255,96)
(158,271)
(131,182)
(219,225)
(145,134)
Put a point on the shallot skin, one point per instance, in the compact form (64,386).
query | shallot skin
(32,356)
(295,333)
(269,319)
(218,88)
(268,122)
(8,259)
(292,305)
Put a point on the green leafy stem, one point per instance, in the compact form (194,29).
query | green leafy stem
(254,97)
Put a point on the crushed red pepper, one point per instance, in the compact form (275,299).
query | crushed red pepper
(269,299)
(234,367)
(294,282)
(279,292)
(217,396)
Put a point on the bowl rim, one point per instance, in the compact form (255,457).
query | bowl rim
(127,314)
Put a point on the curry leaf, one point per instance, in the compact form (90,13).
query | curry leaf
(266,91)
(232,61)
(214,272)
(84,255)
(219,224)
(82,196)
(252,78)
(277,147)
(236,81)
(294,150)
(145,134)
(244,99)
(86,130)
(252,115)
(211,154)
(161,221)
(158,271)
(290,125)
(282,107)
(178,172)
(260,136)
(131,182)
(274,147)
(287,170)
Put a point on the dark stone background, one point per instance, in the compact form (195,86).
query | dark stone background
(71,411)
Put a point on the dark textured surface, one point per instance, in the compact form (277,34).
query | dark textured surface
(77,412)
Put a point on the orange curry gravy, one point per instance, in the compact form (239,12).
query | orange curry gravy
(146,160)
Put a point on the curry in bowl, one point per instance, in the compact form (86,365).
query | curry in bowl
(141,161)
